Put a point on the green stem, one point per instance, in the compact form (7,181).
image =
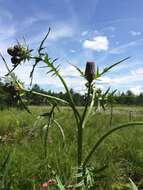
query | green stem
(46,95)
(106,135)
(80,129)
(87,103)
(72,104)
(89,109)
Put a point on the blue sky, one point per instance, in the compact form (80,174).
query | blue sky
(103,31)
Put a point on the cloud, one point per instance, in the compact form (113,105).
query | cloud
(104,80)
(84,33)
(70,72)
(99,43)
(71,75)
(136,90)
(122,48)
(60,31)
(138,71)
(127,80)
(135,33)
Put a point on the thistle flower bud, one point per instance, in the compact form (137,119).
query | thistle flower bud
(19,53)
(15,60)
(10,51)
(90,71)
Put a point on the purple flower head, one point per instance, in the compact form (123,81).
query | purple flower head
(90,71)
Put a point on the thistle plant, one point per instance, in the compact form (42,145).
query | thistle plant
(86,174)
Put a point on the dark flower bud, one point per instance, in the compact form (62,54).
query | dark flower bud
(17,47)
(10,51)
(15,60)
(90,71)
(17,50)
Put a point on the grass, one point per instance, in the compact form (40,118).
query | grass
(122,152)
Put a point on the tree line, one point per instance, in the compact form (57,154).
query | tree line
(9,97)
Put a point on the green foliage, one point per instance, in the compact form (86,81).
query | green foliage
(121,154)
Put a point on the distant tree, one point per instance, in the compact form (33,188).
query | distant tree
(35,99)
(129,93)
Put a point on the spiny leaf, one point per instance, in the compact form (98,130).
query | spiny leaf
(78,69)
(106,69)
(50,71)
(97,72)
(37,60)
(112,93)
(106,92)
(42,42)
(53,69)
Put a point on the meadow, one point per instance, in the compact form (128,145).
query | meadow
(67,148)
(118,158)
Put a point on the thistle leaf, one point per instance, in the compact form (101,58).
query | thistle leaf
(106,92)
(78,69)
(43,41)
(106,69)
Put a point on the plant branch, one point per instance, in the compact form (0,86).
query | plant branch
(106,135)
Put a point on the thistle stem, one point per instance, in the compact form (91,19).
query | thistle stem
(130,124)
(80,128)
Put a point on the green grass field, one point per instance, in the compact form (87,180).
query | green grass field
(122,152)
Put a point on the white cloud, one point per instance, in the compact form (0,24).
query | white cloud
(84,33)
(71,75)
(138,71)
(104,80)
(58,31)
(69,71)
(135,33)
(99,43)
(132,77)
(136,90)
(61,31)
(124,47)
